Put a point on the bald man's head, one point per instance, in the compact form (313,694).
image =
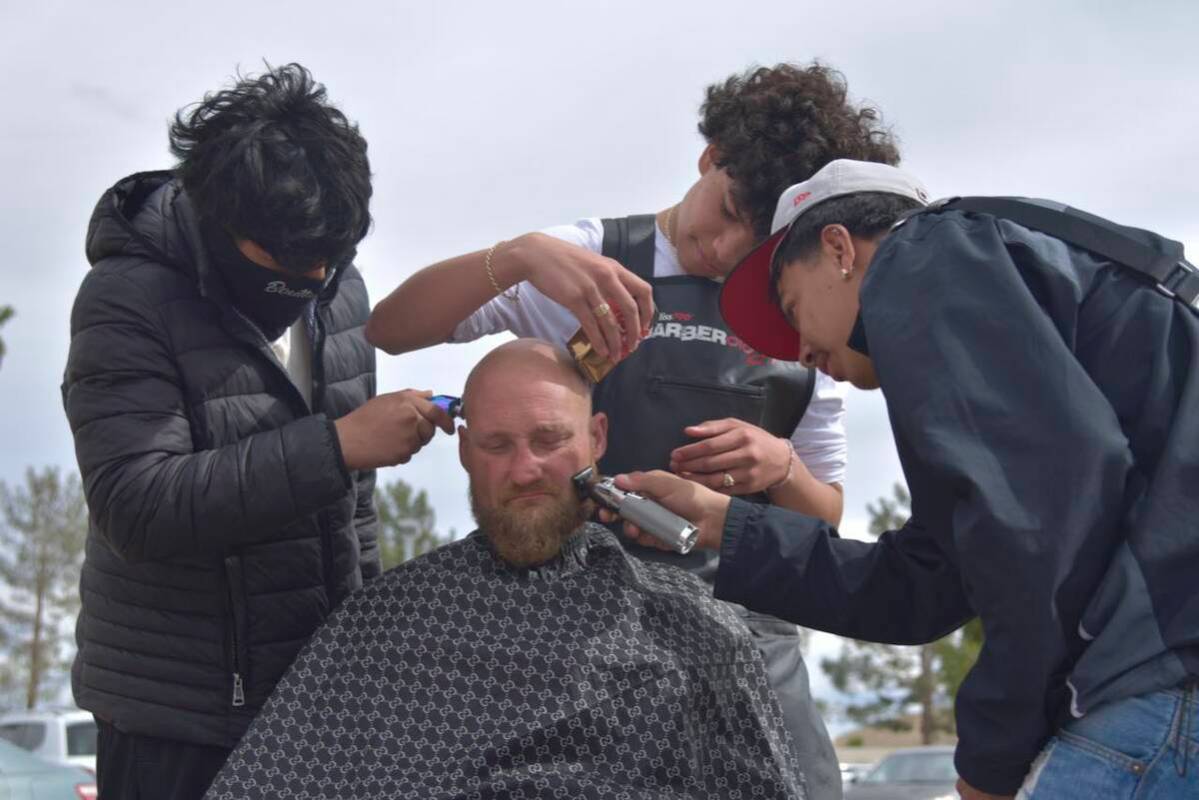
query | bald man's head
(529,428)
(508,365)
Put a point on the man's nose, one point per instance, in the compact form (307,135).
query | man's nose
(527,466)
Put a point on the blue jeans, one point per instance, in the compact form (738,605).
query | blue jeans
(1144,747)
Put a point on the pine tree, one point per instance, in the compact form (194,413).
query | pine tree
(41,552)
(407,523)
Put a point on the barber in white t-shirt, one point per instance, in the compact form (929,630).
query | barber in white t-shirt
(687,394)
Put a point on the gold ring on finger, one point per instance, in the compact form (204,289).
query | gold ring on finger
(603,310)
(728,481)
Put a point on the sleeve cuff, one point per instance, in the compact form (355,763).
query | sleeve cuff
(734,526)
(338,457)
(989,774)
(732,545)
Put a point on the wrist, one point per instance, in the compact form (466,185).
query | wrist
(343,429)
(713,523)
(792,457)
(510,261)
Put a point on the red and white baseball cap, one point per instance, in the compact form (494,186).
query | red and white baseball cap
(745,301)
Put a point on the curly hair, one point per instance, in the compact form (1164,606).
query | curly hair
(271,161)
(776,126)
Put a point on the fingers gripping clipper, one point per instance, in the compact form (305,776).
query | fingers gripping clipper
(654,519)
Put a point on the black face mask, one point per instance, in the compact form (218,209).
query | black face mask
(272,300)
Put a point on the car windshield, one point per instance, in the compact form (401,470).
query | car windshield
(27,735)
(81,738)
(914,768)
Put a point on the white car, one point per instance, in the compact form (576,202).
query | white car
(62,736)
(851,771)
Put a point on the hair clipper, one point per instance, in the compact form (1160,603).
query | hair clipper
(661,523)
(590,363)
(448,403)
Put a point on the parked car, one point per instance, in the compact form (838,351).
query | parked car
(65,736)
(851,771)
(24,776)
(912,773)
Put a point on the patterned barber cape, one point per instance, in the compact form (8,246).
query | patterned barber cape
(458,676)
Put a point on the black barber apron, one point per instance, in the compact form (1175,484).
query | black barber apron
(692,369)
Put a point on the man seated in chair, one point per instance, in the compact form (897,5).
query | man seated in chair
(535,657)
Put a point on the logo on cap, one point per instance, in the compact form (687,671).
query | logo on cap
(799,198)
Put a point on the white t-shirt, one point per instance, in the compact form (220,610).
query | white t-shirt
(819,439)
(294,352)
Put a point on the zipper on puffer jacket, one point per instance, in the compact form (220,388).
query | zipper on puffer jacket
(237,613)
(320,337)
(263,348)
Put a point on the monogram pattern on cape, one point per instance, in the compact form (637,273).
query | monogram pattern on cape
(457,676)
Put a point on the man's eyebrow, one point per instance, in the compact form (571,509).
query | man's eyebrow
(544,429)
(552,428)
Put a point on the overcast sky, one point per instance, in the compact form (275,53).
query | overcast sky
(488,119)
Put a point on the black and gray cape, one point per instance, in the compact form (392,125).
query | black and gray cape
(457,676)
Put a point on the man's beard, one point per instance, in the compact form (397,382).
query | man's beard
(529,533)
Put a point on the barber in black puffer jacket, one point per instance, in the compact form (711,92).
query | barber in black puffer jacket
(220,393)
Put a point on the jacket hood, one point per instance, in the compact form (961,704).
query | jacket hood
(146,214)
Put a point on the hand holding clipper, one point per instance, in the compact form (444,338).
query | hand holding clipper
(649,516)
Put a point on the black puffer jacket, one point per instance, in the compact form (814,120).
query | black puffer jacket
(224,523)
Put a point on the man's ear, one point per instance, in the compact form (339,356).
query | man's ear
(837,242)
(463,443)
(599,435)
(708,159)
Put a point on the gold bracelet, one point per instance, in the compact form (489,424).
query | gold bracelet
(491,273)
(790,465)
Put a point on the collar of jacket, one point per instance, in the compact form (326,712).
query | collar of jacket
(857,337)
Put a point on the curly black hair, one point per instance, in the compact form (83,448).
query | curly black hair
(776,126)
(270,160)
